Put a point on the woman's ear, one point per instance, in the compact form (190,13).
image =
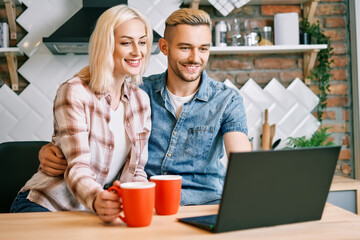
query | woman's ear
(163,45)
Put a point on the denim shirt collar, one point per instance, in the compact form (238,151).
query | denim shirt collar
(202,94)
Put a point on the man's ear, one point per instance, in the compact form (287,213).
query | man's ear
(163,45)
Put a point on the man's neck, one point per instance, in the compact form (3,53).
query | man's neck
(180,87)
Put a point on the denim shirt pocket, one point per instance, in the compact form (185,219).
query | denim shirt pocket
(198,141)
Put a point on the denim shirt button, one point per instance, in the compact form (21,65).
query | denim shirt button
(169,154)
(165,173)
(175,133)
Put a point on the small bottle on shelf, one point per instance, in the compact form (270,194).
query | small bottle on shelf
(220,34)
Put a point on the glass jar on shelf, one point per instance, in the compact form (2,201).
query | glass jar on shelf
(266,36)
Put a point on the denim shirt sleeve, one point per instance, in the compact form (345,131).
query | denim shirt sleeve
(234,117)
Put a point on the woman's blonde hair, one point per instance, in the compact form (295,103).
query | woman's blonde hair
(99,73)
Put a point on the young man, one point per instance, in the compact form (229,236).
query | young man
(193,116)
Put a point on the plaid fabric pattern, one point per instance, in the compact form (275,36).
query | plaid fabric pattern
(81,130)
(226,6)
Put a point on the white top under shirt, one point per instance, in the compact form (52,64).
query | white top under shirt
(121,142)
(178,102)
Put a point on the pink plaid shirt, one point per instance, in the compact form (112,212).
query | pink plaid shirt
(81,130)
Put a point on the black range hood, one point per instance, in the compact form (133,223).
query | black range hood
(74,35)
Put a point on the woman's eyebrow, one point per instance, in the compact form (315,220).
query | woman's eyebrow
(132,37)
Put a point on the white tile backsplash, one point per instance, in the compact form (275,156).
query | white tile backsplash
(279,93)
(156,11)
(7,121)
(293,118)
(275,113)
(46,127)
(43,105)
(255,94)
(303,94)
(12,103)
(288,108)
(25,128)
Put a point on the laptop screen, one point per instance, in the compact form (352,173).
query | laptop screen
(266,188)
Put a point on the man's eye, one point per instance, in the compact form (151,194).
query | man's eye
(142,43)
(204,49)
(184,48)
(125,43)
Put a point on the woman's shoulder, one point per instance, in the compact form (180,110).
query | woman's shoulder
(75,84)
(74,88)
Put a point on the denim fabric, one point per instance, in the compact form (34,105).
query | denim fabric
(21,204)
(192,146)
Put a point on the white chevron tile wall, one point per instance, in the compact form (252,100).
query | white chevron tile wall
(289,109)
(156,10)
(28,116)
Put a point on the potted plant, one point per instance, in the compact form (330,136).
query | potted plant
(321,75)
(304,27)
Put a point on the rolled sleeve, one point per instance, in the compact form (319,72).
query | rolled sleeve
(234,117)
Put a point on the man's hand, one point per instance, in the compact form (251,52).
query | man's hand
(107,205)
(52,161)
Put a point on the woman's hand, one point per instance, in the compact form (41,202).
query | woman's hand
(107,205)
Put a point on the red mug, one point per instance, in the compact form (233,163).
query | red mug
(138,200)
(167,193)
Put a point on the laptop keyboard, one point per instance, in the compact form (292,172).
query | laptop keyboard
(206,220)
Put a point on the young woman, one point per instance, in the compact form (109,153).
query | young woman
(102,122)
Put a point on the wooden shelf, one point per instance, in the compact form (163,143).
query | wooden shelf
(13,50)
(11,55)
(309,5)
(267,49)
(257,2)
(277,2)
(11,16)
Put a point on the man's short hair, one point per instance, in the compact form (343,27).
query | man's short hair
(187,16)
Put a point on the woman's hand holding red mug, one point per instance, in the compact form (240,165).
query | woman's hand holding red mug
(108,204)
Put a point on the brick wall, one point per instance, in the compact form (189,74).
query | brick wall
(334,18)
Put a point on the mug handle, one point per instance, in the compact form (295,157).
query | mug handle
(118,191)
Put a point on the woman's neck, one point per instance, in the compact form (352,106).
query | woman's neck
(116,91)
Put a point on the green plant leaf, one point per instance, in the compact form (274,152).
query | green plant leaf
(319,138)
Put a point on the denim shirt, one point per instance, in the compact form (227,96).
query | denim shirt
(192,145)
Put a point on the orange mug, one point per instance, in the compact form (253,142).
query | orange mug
(167,193)
(138,200)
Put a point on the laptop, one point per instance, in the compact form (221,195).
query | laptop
(267,188)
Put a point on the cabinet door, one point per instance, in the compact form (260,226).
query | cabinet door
(343,199)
